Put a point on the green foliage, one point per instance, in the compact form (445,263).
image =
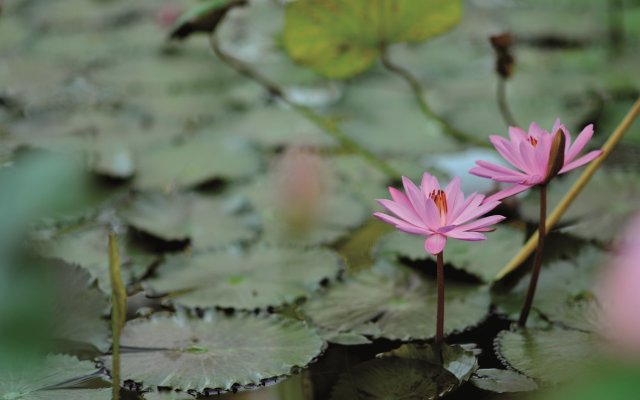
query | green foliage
(341,38)
(502,381)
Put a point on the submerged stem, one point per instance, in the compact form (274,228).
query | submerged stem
(503,104)
(118,312)
(440,311)
(571,195)
(323,123)
(418,93)
(537,263)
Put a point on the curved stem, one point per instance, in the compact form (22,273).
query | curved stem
(118,312)
(503,104)
(418,93)
(440,311)
(537,262)
(323,123)
(571,195)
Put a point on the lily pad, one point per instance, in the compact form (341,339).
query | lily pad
(340,212)
(549,356)
(207,222)
(216,352)
(502,381)
(341,38)
(195,161)
(595,214)
(394,378)
(260,278)
(46,380)
(483,260)
(393,302)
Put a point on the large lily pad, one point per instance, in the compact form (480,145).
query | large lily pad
(341,38)
(263,277)
(195,161)
(216,352)
(206,222)
(550,356)
(502,381)
(483,260)
(47,379)
(393,302)
(595,214)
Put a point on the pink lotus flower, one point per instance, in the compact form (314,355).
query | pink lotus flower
(620,292)
(537,156)
(438,214)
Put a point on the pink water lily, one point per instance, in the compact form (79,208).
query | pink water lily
(533,155)
(438,214)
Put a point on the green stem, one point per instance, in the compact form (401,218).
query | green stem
(503,104)
(323,123)
(418,93)
(118,312)
(440,310)
(537,262)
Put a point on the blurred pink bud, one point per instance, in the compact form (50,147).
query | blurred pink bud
(620,292)
(168,14)
(301,186)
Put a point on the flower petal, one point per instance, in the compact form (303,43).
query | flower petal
(587,158)
(517,134)
(401,225)
(581,141)
(468,236)
(418,201)
(406,213)
(429,183)
(507,150)
(434,244)
(481,223)
(474,212)
(508,192)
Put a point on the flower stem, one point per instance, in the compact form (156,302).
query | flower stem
(323,123)
(571,195)
(118,312)
(418,93)
(503,104)
(537,262)
(440,311)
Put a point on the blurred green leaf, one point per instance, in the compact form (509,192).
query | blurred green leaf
(341,38)
(502,381)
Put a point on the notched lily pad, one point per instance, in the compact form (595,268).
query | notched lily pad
(549,356)
(207,222)
(260,278)
(49,380)
(393,302)
(502,381)
(215,352)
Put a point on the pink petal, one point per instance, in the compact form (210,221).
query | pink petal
(581,141)
(498,168)
(527,153)
(474,212)
(469,236)
(406,213)
(429,183)
(536,131)
(474,200)
(508,192)
(507,150)
(434,244)
(454,195)
(517,134)
(432,215)
(401,225)
(481,223)
(587,158)
(417,199)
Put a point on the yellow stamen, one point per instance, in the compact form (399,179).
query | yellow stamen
(440,198)
(532,140)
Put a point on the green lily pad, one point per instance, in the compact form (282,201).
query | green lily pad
(483,260)
(341,38)
(207,222)
(339,213)
(47,379)
(260,278)
(87,246)
(216,352)
(195,161)
(549,356)
(595,214)
(394,378)
(393,302)
(502,381)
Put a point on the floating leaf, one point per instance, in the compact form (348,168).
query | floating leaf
(341,38)
(207,222)
(204,18)
(216,352)
(394,378)
(550,356)
(482,260)
(341,212)
(195,161)
(263,277)
(595,214)
(502,381)
(344,338)
(45,381)
(393,302)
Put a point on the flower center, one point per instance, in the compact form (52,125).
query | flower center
(532,140)
(440,198)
